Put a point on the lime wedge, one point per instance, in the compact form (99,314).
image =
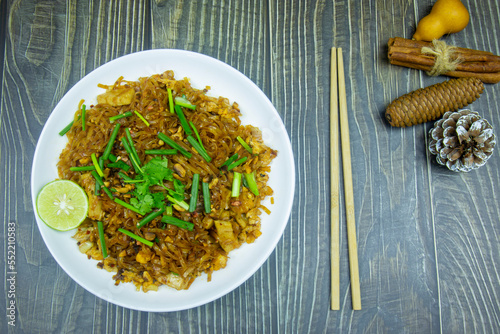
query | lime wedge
(62,205)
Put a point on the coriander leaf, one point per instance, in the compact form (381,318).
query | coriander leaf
(157,171)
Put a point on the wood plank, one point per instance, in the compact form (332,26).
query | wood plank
(467,207)
(397,268)
(48,48)
(236,33)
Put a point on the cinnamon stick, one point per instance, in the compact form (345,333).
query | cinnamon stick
(467,66)
(490,78)
(476,63)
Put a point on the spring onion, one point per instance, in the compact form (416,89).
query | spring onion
(182,119)
(96,164)
(252,183)
(99,180)
(170,100)
(230,160)
(135,164)
(136,237)
(100,228)
(132,147)
(119,164)
(82,168)
(84,112)
(150,217)
(141,117)
(66,129)
(178,222)
(112,157)
(196,133)
(173,144)
(244,144)
(125,176)
(169,210)
(119,116)
(194,192)
(237,163)
(161,152)
(180,203)
(111,141)
(199,148)
(128,206)
(180,101)
(235,189)
(206,197)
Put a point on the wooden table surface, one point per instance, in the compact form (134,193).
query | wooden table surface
(428,238)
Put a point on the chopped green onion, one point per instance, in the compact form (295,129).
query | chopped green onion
(196,133)
(173,144)
(99,180)
(252,183)
(230,160)
(169,210)
(235,190)
(119,164)
(82,168)
(119,116)
(128,206)
(161,152)
(199,148)
(66,129)
(170,100)
(132,147)
(244,144)
(182,204)
(194,192)
(125,176)
(96,164)
(182,119)
(178,222)
(97,185)
(84,111)
(111,141)
(150,217)
(180,101)
(237,163)
(133,181)
(135,164)
(100,228)
(136,237)
(111,157)
(206,196)
(141,117)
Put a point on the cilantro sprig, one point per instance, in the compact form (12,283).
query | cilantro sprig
(156,172)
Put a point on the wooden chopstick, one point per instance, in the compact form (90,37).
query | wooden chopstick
(348,189)
(338,100)
(334,184)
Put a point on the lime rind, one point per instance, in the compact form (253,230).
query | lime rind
(62,205)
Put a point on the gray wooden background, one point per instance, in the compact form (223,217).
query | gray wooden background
(428,238)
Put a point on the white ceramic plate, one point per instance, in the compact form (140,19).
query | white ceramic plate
(256,109)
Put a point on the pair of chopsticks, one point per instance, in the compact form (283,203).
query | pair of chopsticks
(338,101)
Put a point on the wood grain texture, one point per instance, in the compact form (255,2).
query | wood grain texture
(428,238)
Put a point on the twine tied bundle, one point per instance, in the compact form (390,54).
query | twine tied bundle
(446,61)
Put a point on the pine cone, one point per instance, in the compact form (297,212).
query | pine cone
(430,103)
(462,140)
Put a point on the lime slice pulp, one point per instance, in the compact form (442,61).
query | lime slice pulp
(62,205)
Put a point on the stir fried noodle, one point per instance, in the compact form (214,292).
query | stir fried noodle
(174,180)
